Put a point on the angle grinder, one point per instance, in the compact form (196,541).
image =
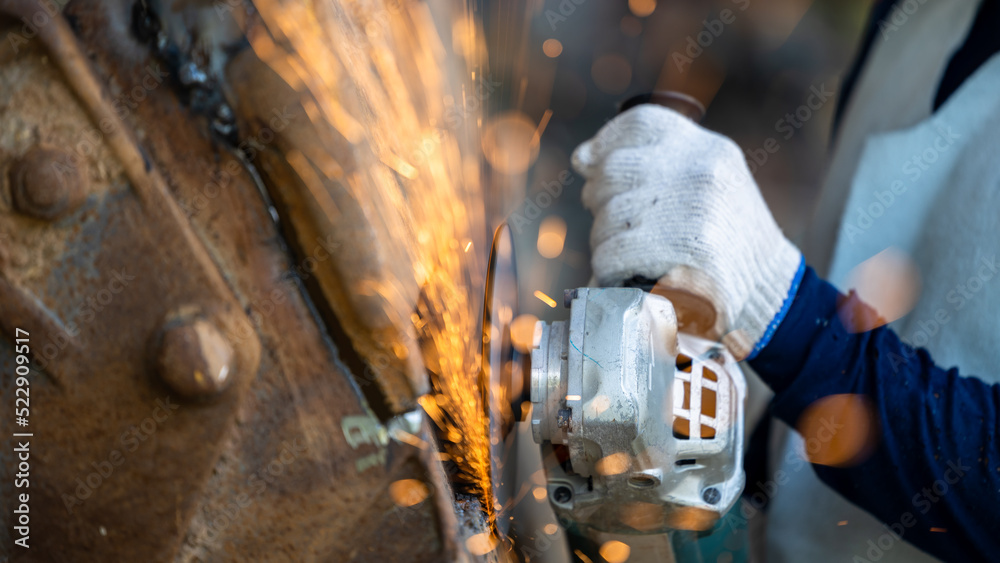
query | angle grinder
(637,409)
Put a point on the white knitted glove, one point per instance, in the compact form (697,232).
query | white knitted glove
(676,203)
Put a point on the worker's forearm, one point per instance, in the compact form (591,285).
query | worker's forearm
(937,429)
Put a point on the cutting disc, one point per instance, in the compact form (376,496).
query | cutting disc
(504,369)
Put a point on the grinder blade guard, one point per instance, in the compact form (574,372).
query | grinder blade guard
(504,374)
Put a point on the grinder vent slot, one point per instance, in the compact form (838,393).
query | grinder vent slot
(695,399)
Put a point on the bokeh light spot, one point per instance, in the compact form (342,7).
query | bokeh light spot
(508,143)
(889,283)
(615,551)
(613,464)
(481,543)
(839,430)
(539,493)
(642,8)
(408,492)
(551,236)
(552,48)
(598,405)
(522,332)
(643,516)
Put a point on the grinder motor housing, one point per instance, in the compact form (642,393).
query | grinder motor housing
(641,427)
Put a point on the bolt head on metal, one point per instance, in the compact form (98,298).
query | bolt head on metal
(46,184)
(195,359)
(562,494)
(711,495)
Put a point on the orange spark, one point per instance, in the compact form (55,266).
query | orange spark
(545,299)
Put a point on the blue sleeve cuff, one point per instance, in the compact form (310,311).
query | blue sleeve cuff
(811,305)
(782,313)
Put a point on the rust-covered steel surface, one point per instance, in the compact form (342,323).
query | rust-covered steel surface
(188,405)
(386,163)
(365,251)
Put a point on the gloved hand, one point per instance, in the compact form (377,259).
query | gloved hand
(675,202)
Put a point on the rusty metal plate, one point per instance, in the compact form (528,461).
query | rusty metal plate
(100,269)
(164,248)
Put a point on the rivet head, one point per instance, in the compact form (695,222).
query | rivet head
(46,183)
(195,359)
